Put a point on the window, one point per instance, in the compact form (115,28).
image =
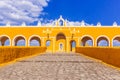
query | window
(48,43)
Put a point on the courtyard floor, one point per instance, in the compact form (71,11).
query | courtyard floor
(58,66)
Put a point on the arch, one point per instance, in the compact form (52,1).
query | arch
(116,41)
(60,36)
(103,41)
(61,21)
(87,40)
(72,44)
(61,45)
(34,40)
(19,40)
(48,43)
(5,40)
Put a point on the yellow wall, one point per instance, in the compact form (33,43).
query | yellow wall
(8,54)
(91,31)
(108,55)
(49,48)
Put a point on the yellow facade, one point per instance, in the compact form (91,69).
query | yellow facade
(60,37)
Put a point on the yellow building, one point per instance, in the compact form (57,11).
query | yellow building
(60,37)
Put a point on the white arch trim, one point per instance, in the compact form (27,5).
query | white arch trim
(61,18)
(114,38)
(31,37)
(87,36)
(19,36)
(8,38)
(104,37)
(59,21)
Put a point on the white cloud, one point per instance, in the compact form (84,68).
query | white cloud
(18,11)
(49,23)
(78,23)
(68,23)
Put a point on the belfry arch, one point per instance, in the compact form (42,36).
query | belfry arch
(116,41)
(34,40)
(5,40)
(19,41)
(61,21)
(103,41)
(87,41)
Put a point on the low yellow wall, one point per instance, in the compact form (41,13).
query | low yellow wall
(107,55)
(8,54)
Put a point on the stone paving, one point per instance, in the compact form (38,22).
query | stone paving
(58,66)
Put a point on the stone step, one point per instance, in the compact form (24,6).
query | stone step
(58,66)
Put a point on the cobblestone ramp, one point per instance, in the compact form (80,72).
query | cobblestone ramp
(58,66)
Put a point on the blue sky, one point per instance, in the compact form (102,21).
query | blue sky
(16,12)
(32,11)
(91,11)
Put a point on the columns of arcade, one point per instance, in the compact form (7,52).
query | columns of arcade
(68,45)
(42,41)
(53,40)
(26,42)
(111,41)
(14,38)
(95,42)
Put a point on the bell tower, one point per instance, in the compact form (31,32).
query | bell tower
(61,21)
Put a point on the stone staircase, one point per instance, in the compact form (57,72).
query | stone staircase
(58,66)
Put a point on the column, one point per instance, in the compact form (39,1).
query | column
(78,43)
(11,43)
(26,42)
(110,43)
(53,45)
(67,50)
(95,43)
(42,42)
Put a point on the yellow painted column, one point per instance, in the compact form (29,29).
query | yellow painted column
(26,42)
(53,45)
(43,42)
(78,43)
(110,43)
(11,42)
(68,50)
(95,43)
